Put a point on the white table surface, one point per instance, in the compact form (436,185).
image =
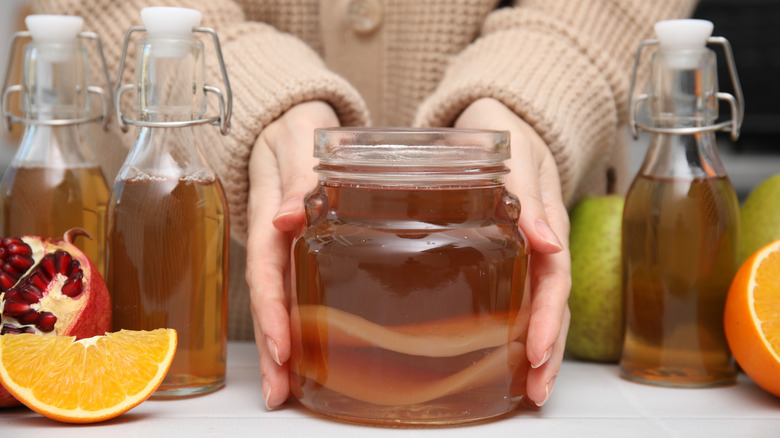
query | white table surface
(589,400)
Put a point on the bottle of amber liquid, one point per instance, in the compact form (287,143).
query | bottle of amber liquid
(53,182)
(410,299)
(681,220)
(167,216)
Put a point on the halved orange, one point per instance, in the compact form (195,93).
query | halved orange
(89,380)
(752,317)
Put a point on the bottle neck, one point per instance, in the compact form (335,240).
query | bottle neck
(683,88)
(55,81)
(170,72)
(683,94)
(170,79)
(687,156)
(52,145)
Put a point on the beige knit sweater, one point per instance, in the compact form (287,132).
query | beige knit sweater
(562,65)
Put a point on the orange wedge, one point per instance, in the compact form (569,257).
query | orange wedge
(752,317)
(89,380)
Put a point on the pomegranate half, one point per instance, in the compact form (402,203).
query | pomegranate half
(49,286)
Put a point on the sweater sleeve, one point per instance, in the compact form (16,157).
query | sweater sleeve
(269,72)
(562,66)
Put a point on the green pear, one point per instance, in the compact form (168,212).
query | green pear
(596,300)
(760,217)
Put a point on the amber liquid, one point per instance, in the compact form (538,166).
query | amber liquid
(680,243)
(422,276)
(47,201)
(167,267)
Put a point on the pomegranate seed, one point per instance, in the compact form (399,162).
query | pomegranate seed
(10,270)
(48,266)
(63,260)
(30,293)
(73,286)
(36,279)
(19,247)
(46,321)
(28,318)
(9,329)
(15,308)
(6,281)
(12,295)
(8,241)
(75,266)
(21,262)
(15,259)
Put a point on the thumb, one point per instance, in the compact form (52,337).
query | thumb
(291,138)
(291,214)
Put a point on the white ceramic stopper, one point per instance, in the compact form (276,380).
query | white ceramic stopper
(54,28)
(683,34)
(682,41)
(170,21)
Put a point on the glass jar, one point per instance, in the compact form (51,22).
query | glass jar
(410,287)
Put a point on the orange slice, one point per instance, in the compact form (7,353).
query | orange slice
(89,380)
(752,317)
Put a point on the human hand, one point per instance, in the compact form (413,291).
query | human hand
(280,175)
(545,222)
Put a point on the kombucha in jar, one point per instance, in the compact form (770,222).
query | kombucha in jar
(410,301)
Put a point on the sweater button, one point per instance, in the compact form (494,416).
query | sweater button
(364,15)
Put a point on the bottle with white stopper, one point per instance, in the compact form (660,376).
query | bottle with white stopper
(167,242)
(681,218)
(54,182)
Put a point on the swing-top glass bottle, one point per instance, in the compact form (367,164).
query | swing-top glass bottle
(167,215)
(681,218)
(54,182)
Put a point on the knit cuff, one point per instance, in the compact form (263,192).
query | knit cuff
(548,80)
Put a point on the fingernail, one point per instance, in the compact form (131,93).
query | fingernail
(547,390)
(547,233)
(544,360)
(281,214)
(273,349)
(266,392)
(289,206)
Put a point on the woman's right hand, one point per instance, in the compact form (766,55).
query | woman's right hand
(280,175)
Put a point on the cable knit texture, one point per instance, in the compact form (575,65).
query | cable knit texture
(562,65)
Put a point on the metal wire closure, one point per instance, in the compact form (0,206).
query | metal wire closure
(736,103)
(225,103)
(105,98)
